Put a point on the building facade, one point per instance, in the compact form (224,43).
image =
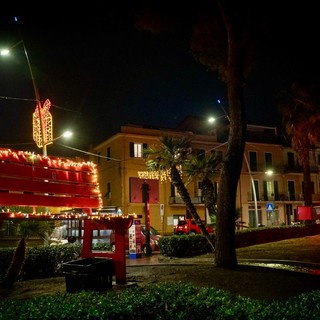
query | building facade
(269,189)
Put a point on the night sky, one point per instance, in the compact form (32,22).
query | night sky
(99,72)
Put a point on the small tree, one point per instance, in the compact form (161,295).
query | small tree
(26,229)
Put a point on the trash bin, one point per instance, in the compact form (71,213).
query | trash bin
(90,274)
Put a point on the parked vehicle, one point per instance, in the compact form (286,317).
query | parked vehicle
(189,226)
(154,239)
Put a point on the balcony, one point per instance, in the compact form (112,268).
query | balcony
(178,200)
(299,169)
(278,197)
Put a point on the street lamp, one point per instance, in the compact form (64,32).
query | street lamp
(253,186)
(253,191)
(211,120)
(42,120)
(66,134)
(214,119)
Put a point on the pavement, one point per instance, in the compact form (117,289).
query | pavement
(157,259)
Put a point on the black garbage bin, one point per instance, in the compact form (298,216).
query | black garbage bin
(90,274)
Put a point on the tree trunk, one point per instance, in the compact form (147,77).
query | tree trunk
(183,192)
(209,196)
(225,249)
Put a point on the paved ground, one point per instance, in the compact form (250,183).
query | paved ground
(270,271)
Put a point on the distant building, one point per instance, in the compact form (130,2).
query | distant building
(276,198)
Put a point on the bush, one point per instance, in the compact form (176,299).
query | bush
(192,245)
(249,237)
(160,301)
(41,261)
(184,245)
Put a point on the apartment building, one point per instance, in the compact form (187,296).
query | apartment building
(270,185)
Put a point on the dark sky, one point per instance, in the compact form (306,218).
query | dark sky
(99,72)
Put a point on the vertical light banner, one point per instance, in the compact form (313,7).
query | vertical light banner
(42,124)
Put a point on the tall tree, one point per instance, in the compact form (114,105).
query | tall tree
(221,39)
(227,48)
(170,157)
(300,110)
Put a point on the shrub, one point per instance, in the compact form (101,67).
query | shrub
(160,301)
(41,261)
(191,245)
(183,245)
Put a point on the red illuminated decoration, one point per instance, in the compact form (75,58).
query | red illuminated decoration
(42,124)
(33,180)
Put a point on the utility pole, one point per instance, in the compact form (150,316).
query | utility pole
(145,198)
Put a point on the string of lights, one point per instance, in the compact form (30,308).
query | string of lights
(89,153)
(33,100)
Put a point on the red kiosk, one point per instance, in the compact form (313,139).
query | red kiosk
(120,225)
(33,180)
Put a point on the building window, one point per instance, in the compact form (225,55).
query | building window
(136,149)
(268,160)
(290,156)
(291,190)
(108,153)
(108,193)
(270,191)
(253,161)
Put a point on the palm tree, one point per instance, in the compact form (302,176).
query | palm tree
(205,169)
(27,228)
(300,117)
(171,157)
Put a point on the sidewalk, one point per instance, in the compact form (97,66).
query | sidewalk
(157,259)
(152,260)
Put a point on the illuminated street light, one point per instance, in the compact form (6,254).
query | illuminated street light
(269,172)
(42,120)
(66,134)
(214,119)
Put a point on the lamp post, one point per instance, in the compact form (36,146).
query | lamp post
(211,120)
(66,134)
(42,120)
(253,191)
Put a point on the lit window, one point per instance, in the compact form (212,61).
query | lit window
(136,149)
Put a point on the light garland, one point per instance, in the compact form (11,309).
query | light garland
(63,164)
(78,216)
(162,175)
(53,162)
